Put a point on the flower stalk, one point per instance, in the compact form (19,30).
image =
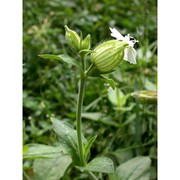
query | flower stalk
(79,112)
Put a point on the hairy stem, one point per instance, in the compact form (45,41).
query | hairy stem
(78,119)
(79,111)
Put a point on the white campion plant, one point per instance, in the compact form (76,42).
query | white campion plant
(129,52)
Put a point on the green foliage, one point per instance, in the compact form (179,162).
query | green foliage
(136,168)
(61,57)
(34,151)
(126,128)
(50,169)
(88,147)
(68,139)
(100,164)
(117,97)
(109,81)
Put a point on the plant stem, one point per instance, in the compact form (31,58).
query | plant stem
(26,176)
(138,130)
(92,175)
(66,171)
(78,114)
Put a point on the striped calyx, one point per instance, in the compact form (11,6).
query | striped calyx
(72,39)
(108,55)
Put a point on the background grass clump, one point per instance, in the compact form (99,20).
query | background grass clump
(126,127)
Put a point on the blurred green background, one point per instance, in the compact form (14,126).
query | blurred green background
(125,127)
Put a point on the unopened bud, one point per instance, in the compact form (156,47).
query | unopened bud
(144,96)
(72,39)
(108,55)
(86,43)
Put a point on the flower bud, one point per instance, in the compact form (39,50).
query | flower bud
(72,39)
(85,46)
(108,55)
(86,43)
(144,96)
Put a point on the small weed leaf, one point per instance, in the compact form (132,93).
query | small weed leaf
(62,57)
(117,97)
(88,147)
(35,151)
(101,164)
(136,168)
(109,81)
(50,169)
(67,138)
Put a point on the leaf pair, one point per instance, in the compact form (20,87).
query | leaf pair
(67,148)
(68,138)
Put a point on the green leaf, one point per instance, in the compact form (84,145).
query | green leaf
(122,155)
(101,164)
(68,138)
(112,176)
(109,81)
(34,151)
(62,57)
(25,149)
(149,85)
(100,117)
(50,169)
(92,115)
(136,168)
(117,97)
(93,104)
(88,146)
(84,52)
(128,108)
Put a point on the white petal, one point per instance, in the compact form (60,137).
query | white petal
(116,34)
(126,54)
(130,55)
(131,43)
(127,38)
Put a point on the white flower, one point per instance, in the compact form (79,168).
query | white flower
(129,52)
